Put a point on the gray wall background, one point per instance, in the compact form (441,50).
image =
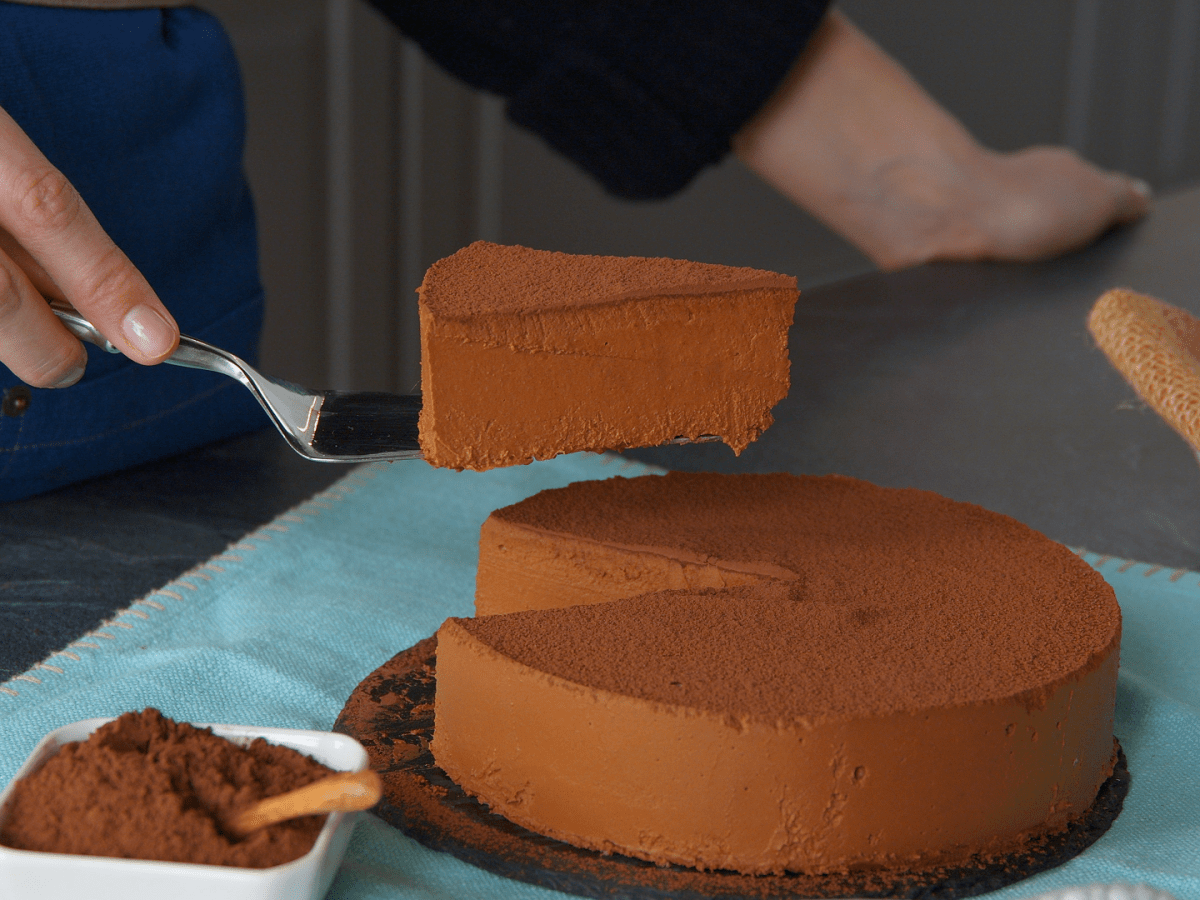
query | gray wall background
(368,163)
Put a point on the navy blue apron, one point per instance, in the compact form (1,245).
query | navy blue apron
(142,110)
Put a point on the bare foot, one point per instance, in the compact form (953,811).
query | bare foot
(851,138)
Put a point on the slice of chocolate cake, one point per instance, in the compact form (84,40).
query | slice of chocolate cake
(527,354)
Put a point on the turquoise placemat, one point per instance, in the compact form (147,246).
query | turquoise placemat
(280,628)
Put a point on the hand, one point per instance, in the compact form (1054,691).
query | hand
(51,246)
(851,138)
(1044,201)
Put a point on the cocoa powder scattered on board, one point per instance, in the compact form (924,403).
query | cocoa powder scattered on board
(146,787)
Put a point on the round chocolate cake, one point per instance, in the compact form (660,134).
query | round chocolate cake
(795,674)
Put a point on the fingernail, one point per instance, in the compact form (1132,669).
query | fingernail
(70,378)
(1143,188)
(148,331)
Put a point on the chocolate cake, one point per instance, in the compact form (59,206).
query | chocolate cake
(895,680)
(527,354)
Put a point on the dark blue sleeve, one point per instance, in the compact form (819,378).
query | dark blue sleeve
(643,95)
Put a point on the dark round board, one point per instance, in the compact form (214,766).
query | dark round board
(391,714)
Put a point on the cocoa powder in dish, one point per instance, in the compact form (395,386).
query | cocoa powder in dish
(146,787)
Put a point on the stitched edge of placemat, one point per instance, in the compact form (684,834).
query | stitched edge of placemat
(1098,561)
(180,590)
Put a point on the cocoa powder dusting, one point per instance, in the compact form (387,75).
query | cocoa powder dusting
(488,278)
(901,600)
(146,787)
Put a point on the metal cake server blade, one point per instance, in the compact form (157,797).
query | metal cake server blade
(326,426)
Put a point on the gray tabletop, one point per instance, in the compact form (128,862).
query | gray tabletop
(982,383)
(976,381)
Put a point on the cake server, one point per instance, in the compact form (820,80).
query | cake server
(327,426)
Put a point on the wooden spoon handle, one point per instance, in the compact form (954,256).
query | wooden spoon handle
(341,792)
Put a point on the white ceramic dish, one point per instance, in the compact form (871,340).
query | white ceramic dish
(31,875)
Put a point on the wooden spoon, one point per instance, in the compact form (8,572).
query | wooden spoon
(340,792)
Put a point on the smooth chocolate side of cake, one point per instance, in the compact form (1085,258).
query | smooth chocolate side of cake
(735,786)
(512,382)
